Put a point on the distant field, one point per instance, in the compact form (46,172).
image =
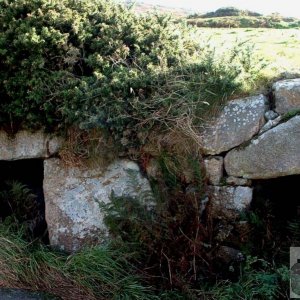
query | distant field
(280,47)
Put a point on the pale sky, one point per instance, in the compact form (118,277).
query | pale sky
(290,8)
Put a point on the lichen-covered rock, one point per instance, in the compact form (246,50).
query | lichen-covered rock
(214,169)
(27,145)
(287,95)
(238,122)
(228,202)
(72,197)
(273,154)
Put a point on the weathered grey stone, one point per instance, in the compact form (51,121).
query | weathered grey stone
(270,124)
(231,180)
(26,145)
(271,115)
(238,122)
(228,202)
(273,154)
(287,95)
(214,169)
(72,197)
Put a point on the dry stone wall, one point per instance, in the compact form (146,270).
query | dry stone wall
(252,138)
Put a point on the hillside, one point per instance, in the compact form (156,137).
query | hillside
(231,17)
(142,8)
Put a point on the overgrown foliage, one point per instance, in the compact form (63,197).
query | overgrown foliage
(167,238)
(95,64)
(174,246)
(19,207)
(94,273)
(89,61)
(258,280)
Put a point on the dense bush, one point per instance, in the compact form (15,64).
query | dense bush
(95,64)
(66,61)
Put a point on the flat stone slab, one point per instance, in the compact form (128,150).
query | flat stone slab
(238,122)
(28,145)
(287,95)
(72,197)
(273,154)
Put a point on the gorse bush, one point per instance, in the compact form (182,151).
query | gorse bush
(72,61)
(95,64)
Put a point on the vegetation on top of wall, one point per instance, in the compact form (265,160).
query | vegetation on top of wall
(67,61)
(95,64)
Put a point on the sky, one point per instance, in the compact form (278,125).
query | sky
(290,8)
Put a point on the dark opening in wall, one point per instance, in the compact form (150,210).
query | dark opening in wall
(276,215)
(282,194)
(22,197)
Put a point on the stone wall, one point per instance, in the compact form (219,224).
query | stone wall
(253,138)
(73,194)
(256,137)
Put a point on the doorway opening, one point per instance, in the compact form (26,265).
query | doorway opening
(275,215)
(21,197)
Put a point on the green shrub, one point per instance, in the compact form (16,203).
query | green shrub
(68,61)
(95,64)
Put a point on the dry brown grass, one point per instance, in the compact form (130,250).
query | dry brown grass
(88,149)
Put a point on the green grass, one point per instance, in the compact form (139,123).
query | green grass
(93,273)
(279,47)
